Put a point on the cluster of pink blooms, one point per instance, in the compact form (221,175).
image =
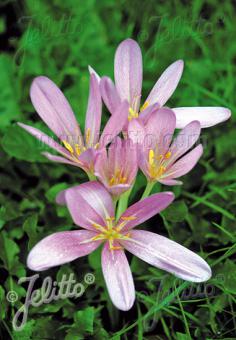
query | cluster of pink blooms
(133,138)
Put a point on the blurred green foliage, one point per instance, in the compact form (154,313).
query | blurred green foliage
(60,39)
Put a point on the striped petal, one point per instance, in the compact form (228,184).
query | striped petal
(114,125)
(207,116)
(60,248)
(185,139)
(168,255)
(166,84)
(145,209)
(93,114)
(118,278)
(92,71)
(184,164)
(160,128)
(109,94)
(54,109)
(89,203)
(44,139)
(129,72)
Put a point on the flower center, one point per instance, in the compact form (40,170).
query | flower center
(111,232)
(134,114)
(117,178)
(157,163)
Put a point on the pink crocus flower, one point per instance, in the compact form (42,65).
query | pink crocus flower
(160,158)
(91,207)
(117,168)
(128,72)
(54,109)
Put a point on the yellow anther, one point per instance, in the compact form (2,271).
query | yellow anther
(112,181)
(87,137)
(68,146)
(109,219)
(98,226)
(96,146)
(145,105)
(168,155)
(77,149)
(151,157)
(132,114)
(98,237)
(128,218)
(115,248)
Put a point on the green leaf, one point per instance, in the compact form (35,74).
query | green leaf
(9,108)
(21,145)
(176,212)
(84,320)
(30,227)
(8,250)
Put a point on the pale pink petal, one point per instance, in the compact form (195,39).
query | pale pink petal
(59,159)
(89,202)
(185,139)
(92,71)
(168,255)
(93,114)
(146,114)
(109,94)
(88,158)
(184,164)
(207,116)
(116,190)
(159,129)
(146,208)
(136,131)
(44,139)
(170,182)
(60,248)
(120,161)
(54,109)
(166,84)
(114,125)
(129,72)
(118,278)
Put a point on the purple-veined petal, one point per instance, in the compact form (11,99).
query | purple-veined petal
(117,169)
(166,84)
(118,278)
(146,113)
(60,248)
(136,131)
(92,71)
(89,202)
(145,209)
(168,255)
(207,116)
(170,182)
(93,114)
(44,139)
(88,158)
(114,125)
(160,128)
(185,139)
(117,190)
(59,159)
(129,72)
(109,94)
(184,164)
(54,109)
